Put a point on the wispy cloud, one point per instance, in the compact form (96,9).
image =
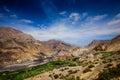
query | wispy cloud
(84,14)
(69,33)
(96,18)
(115,20)
(26,21)
(13,15)
(72,33)
(6,9)
(63,12)
(99,17)
(117,16)
(74,17)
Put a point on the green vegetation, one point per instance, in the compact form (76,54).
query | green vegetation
(72,64)
(31,71)
(96,62)
(106,54)
(110,73)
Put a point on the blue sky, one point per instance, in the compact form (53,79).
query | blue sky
(74,21)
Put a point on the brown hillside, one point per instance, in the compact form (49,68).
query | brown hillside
(16,47)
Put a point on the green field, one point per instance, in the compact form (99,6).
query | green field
(31,71)
(106,54)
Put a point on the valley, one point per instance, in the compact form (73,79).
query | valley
(24,58)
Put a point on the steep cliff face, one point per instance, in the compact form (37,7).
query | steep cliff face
(111,45)
(16,47)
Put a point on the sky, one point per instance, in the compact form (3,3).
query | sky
(76,22)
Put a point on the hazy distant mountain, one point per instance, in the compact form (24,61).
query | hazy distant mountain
(16,47)
(111,45)
(95,43)
(58,46)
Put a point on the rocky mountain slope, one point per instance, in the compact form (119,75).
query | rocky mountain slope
(111,45)
(56,45)
(59,47)
(95,43)
(17,47)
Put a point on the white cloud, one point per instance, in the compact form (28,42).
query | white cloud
(26,21)
(117,16)
(115,20)
(84,14)
(63,12)
(97,18)
(74,17)
(70,34)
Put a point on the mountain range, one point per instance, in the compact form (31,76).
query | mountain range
(18,47)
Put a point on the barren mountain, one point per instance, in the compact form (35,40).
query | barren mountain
(95,43)
(57,46)
(17,47)
(111,45)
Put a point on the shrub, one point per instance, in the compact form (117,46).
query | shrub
(56,76)
(72,72)
(86,70)
(109,73)
(64,69)
(96,62)
(75,59)
(104,61)
(91,66)
(110,64)
(77,78)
